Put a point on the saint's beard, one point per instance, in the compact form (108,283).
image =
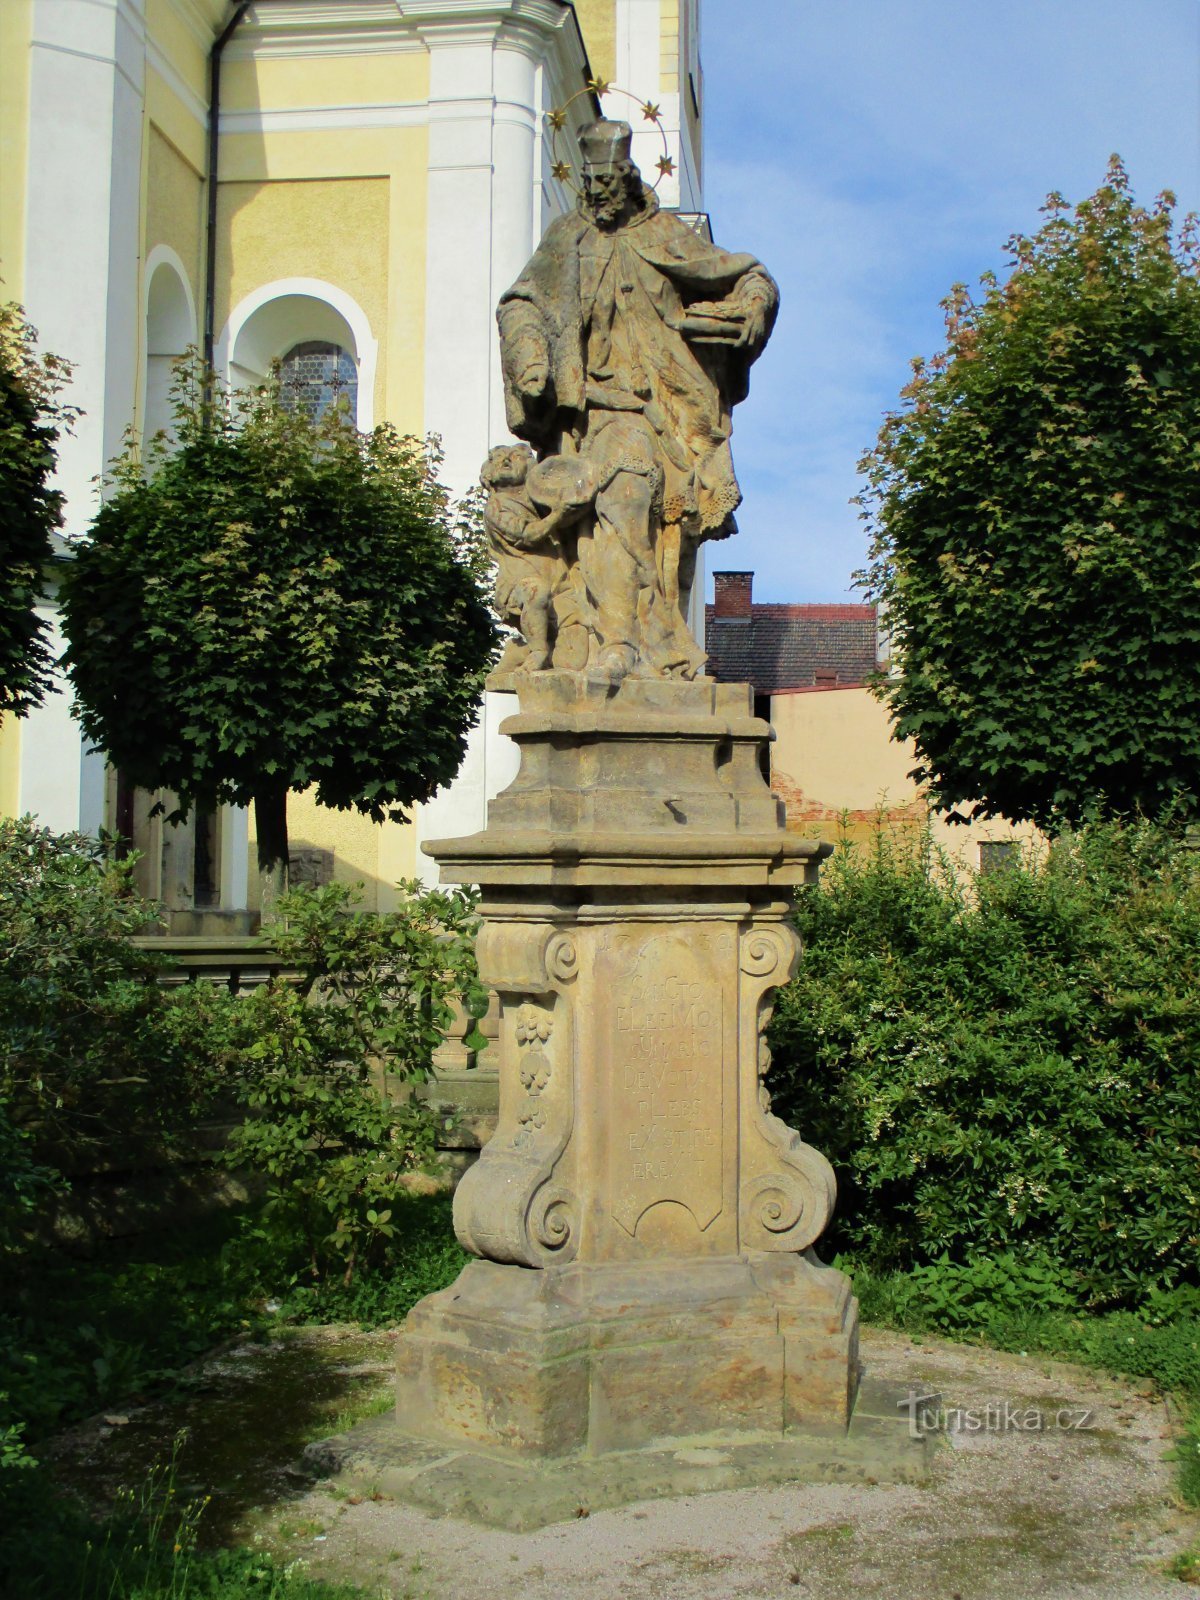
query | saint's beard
(608,210)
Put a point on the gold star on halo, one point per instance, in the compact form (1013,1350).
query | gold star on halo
(599,86)
(650,111)
(557,118)
(666,166)
(561,171)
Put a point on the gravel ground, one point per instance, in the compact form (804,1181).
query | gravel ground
(1071,1510)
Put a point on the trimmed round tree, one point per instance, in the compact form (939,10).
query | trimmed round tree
(1035,511)
(274,603)
(31,417)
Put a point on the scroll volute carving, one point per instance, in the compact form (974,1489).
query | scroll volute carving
(513,1204)
(786,1188)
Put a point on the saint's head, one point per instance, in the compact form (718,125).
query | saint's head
(612,185)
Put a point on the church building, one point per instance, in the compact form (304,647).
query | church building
(341,186)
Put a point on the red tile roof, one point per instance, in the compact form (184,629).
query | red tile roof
(781,647)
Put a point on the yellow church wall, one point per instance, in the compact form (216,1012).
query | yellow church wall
(668,15)
(335,230)
(16,22)
(839,771)
(175,207)
(382,78)
(312,154)
(10,766)
(180,43)
(176,121)
(377,855)
(598,25)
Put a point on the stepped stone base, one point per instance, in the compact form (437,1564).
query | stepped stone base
(590,1359)
(518,1493)
(644,1222)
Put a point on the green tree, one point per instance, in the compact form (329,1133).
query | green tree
(273,602)
(31,418)
(1034,507)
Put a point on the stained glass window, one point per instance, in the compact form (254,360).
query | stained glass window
(316,375)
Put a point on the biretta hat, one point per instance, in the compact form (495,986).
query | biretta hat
(604,143)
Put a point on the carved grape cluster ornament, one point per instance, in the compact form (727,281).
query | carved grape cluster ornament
(532,1028)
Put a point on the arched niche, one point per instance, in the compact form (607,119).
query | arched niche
(170,331)
(280,316)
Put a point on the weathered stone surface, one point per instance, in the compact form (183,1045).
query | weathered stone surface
(519,1493)
(596,1358)
(625,344)
(643,1221)
(634,972)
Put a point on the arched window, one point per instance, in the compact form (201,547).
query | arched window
(283,323)
(316,375)
(170,330)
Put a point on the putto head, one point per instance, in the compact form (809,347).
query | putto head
(506,466)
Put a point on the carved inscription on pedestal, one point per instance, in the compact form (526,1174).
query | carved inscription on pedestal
(662,995)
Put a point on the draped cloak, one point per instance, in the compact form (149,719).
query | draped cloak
(607,308)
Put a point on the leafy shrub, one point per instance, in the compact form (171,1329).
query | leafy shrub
(418,1257)
(971,1298)
(328,1061)
(31,420)
(1008,1065)
(95,1058)
(273,602)
(100,1064)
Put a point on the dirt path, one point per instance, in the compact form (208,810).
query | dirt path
(1084,1506)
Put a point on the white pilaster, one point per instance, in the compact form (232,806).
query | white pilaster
(87,73)
(458,304)
(488,74)
(82,293)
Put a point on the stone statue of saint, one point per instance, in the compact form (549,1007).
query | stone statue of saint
(625,342)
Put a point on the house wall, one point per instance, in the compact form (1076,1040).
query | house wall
(840,772)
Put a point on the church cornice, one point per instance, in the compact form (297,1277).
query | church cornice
(278,28)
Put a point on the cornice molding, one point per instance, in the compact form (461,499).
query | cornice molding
(202,18)
(277,28)
(325,119)
(160,64)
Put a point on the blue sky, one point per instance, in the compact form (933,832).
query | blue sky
(874,152)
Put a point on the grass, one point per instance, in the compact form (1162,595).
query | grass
(82,1335)
(145,1550)
(77,1336)
(123,1326)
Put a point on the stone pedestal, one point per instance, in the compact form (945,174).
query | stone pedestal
(643,1220)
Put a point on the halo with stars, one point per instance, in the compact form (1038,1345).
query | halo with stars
(557,121)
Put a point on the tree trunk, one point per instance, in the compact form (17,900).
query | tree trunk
(270,821)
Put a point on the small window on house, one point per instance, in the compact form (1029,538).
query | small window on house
(997,855)
(317,375)
(823,678)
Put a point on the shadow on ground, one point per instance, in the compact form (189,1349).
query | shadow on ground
(245,1416)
